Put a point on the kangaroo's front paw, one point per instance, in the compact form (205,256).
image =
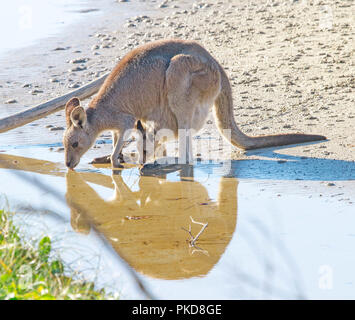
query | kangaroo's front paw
(101,160)
(150,165)
(106,159)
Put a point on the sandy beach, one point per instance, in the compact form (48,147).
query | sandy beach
(291,65)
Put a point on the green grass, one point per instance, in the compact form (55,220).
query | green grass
(26,272)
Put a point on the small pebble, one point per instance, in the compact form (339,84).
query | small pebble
(77,69)
(35,91)
(11,101)
(73,85)
(163,4)
(81,60)
(56,128)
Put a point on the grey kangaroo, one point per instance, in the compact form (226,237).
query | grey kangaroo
(171,83)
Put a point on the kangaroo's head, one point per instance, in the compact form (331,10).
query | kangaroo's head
(78,137)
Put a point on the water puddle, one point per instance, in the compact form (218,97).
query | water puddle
(282,227)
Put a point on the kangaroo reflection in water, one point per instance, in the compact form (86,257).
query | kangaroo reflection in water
(145,227)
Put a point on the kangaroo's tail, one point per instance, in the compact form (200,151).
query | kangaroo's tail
(223,110)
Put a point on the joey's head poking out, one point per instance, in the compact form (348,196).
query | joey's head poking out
(77,139)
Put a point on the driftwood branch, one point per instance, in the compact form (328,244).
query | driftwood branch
(192,241)
(51,106)
(204,226)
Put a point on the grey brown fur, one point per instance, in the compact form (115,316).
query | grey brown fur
(171,83)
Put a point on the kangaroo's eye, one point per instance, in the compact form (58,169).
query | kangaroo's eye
(74,145)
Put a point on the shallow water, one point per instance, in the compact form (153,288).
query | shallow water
(276,229)
(24,22)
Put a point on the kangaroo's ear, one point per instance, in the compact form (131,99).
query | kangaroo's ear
(69,107)
(78,117)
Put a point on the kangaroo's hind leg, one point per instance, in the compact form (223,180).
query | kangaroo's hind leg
(193,83)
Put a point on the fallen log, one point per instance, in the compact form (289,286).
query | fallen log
(51,106)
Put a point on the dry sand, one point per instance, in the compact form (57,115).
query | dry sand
(291,64)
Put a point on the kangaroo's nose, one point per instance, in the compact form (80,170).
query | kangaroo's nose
(68,164)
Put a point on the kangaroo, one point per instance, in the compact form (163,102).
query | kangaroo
(171,83)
